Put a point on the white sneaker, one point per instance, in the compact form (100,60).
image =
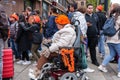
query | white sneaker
(103,69)
(34,73)
(35,63)
(32,76)
(31,70)
(118,74)
(88,70)
(20,62)
(26,63)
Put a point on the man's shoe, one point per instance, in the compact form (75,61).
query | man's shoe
(20,62)
(113,61)
(26,63)
(102,68)
(88,70)
(95,63)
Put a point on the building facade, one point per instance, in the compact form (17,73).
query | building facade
(42,5)
(81,2)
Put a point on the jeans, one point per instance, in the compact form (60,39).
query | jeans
(101,46)
(13,45)
(114,48)
(1,47)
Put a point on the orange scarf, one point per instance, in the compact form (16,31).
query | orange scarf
(65,53)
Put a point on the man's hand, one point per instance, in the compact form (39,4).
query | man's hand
(89,24)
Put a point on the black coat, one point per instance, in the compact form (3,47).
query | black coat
(23,41)
(35,30)
(102,19)
(92,30)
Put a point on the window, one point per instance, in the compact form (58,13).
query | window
(45,10)
(60,1)
(82,3)
(29,3)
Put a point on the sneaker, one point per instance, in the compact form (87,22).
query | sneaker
(34,73)
(103,69)
(26,63)
(118,74)
(113,61)
(32,76)
(35,63)
(88,70)
(20,62)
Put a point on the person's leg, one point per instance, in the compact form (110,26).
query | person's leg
(110,56)
(102,45)
(14,47)
(99,44)
(26,56)
(23,55)
(27,62)
(1,48)
(117,48)
(115,59)
(42,60)
(92,47)
(34,51)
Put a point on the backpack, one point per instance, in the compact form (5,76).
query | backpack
(109,27)
(79,54)
(3,23)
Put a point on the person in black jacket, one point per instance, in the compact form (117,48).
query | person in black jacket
(23,42)
(34,28)
(102,19)
(92,32)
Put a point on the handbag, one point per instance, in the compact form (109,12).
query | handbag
(83,59)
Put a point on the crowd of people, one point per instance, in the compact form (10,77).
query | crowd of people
(27,31)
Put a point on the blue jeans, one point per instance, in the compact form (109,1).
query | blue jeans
(1,47)
(13,45)
(114,48)
(101,46)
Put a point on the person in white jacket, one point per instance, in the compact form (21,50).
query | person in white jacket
(65,37)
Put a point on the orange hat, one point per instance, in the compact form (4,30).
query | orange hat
(100,7)
(37,19)
(15,16)
(62,19)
